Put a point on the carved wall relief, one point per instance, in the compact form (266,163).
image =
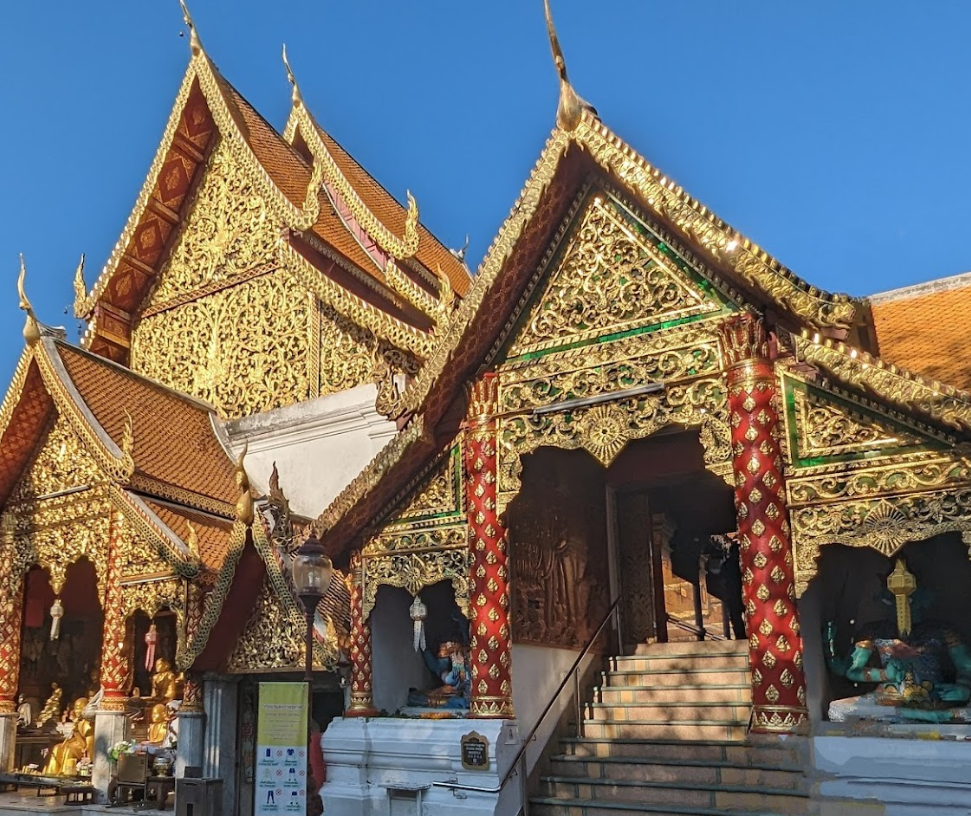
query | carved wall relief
(558,550)
(270,639)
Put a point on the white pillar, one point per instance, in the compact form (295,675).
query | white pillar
(192,741)
(8,737)
(219,758)
(109,727)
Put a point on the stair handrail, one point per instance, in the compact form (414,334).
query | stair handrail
(521,753)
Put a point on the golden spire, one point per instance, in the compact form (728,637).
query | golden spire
(244,506)
(80,290)
(902,584)
(31,327)
(194,42)
(571,106)
(296,95)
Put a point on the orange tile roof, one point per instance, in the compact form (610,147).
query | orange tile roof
(431,251)
(174,440)
(924,328)
(285,166)
(213,533)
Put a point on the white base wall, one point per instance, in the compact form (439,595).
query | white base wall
(319,446)
(893,777)
(536,672)
(380,766)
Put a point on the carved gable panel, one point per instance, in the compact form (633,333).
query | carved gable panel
(227,232)
(612,275)
(824,428)
(245,349)
(61,463)
(270,640)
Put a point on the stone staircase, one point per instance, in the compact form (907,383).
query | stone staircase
(667,733)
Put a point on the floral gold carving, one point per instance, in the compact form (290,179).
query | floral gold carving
(414,571)
(610,279)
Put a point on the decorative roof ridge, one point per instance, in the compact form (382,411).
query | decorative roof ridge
(356,309)
(201,69)
(368,478)
(171,545)
(819,308)
(931,287)
(15,389)
(502,246)
(195,402)
(399,248)
(904,389)
(111,457)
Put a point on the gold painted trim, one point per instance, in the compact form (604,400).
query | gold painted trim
(172,549)
(15,390)
(904,389)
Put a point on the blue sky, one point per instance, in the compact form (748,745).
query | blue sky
(832,133)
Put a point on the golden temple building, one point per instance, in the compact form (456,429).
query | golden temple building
(632,452)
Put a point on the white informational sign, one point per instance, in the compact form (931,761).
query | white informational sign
(281,750)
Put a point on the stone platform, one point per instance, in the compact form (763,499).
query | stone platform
(21,802)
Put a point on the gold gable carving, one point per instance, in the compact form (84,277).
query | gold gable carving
(61,463)
(825,429)
(244,349)
(610,278)
(227,231)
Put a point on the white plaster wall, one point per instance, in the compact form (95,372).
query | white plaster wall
(319,446)
(536,672)
(395,666)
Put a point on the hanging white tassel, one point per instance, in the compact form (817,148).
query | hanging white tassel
(418,614)
(57,612)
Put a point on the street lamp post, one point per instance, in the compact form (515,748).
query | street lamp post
(312,573)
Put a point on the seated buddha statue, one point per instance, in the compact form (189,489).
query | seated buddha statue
(166,684)
(921,669)
(63,757)
(159,727)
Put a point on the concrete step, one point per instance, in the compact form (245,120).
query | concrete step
(676,677)
(690,772)
(543,806)
(704,693)
(694,647)
(681,661)
(699,729)
(738,752)
(722,797)
(671,712)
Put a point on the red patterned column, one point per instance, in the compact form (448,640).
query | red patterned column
(362,702)
(115,660)
(490,648)
(772,622)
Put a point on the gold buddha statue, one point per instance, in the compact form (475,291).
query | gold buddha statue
(159,727)
(166,684)
(63,757)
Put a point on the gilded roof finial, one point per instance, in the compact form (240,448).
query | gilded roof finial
(296,95)
(244,506)
(194,42)
(571,105)
(31,327)
(192,540)
(411,223)
(80,289)
(446,294)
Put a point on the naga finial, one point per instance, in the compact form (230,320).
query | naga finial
(296,96)
(446,294)
(411,222)
(80,289)
(571,105)
(244,506)
(194,42)
(192,540)
(31,327)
